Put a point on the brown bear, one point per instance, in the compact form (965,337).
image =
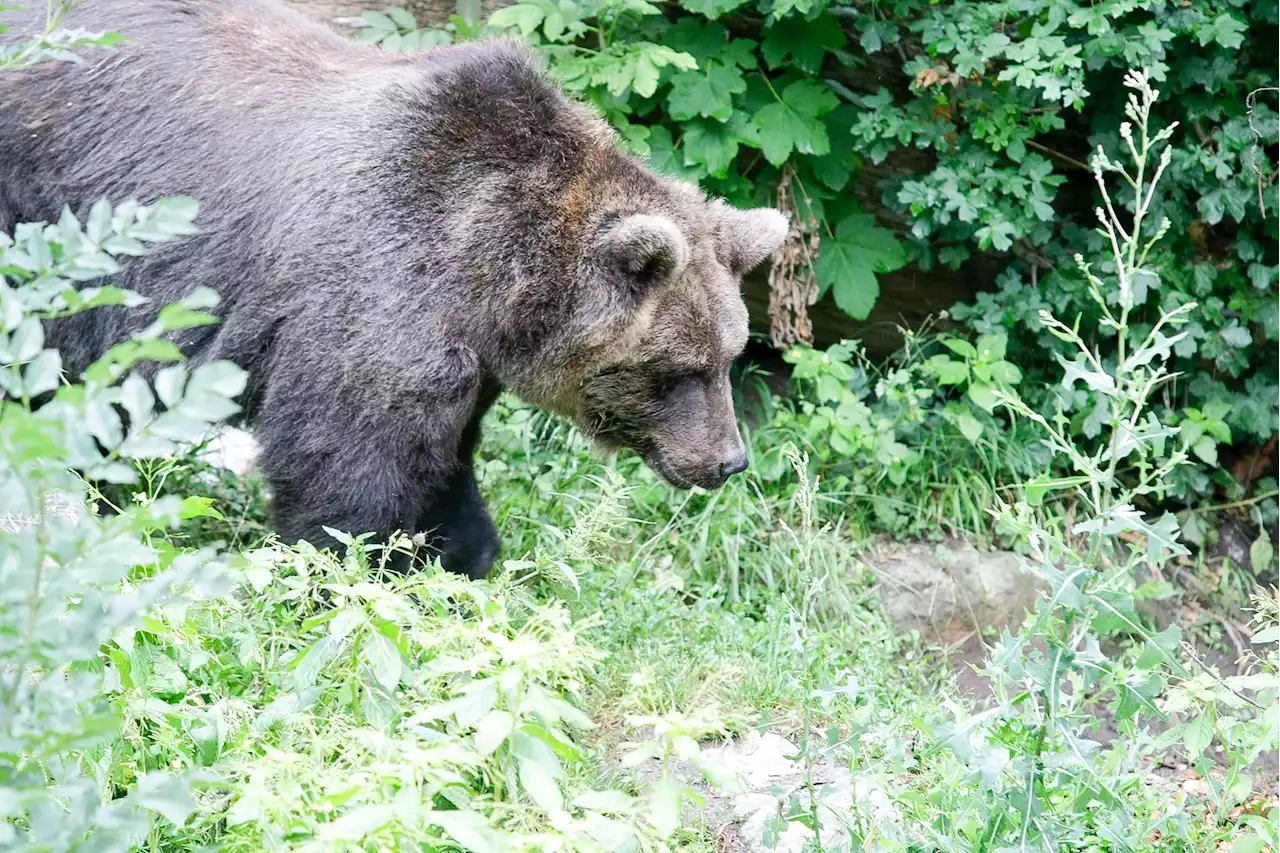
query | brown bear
(395,239)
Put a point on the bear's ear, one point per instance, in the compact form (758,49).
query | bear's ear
(650,249)
(747,237)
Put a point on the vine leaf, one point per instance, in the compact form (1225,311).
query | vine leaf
(705,93)
(639,66)
(794,122)
(712,9)
(848,263)
(664,157)
(711,144)
(805,42)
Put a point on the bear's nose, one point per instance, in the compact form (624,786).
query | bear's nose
(733,466)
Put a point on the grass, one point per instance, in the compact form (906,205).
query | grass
(314,708)
(629,600)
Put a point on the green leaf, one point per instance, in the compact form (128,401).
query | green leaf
(383,659)
(43,373)
(1224,29)
(1269,634)
(307,666)
(1252,842)
(877,34)
(493,730)
(1162,536)
(638,66)
(1081,370)
(378,22)
(541,786)
(664,806)
(1197,735)
(710,144)
(991,348)
(470,829)
(522,16)
(1260,275)
(402,18)
(970,427)
(836,167)
(948,371)
(359,822)
(983,397)
(848,263)
(1261,553)
(1043,484)
(961,348)
(1006,373)
(707,93)
(663,156)
(166,796)
(1207,449)
(217,377)
(805,43)
(197,506)
(793,123)
(712,9)
(1237,336)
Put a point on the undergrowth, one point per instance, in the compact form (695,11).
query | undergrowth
(173,679)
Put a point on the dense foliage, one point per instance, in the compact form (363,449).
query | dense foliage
(965,128)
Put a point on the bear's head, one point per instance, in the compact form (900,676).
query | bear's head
(662,320)
(608,292)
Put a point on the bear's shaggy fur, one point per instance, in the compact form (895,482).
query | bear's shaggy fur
(395,240)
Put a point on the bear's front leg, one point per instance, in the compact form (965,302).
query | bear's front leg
(456,525)
(455,522)
(363,442)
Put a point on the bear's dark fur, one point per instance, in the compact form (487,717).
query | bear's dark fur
(395,240)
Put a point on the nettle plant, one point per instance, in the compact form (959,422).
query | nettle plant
(1030,776)
(72,582)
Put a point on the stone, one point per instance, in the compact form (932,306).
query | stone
(764,764)
(953,591)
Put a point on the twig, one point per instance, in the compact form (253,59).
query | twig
(1243,503)
(1044,149)
(1250,104)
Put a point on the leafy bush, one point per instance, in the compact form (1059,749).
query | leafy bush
(72,582)
(1027,772)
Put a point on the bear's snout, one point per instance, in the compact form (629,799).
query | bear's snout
(709,473)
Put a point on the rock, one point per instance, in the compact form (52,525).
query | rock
(765,765)
(953,591)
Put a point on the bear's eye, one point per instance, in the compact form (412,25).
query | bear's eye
(677,382)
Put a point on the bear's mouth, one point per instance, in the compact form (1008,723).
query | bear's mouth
(658,462)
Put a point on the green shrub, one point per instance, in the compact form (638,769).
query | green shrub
(72,582)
